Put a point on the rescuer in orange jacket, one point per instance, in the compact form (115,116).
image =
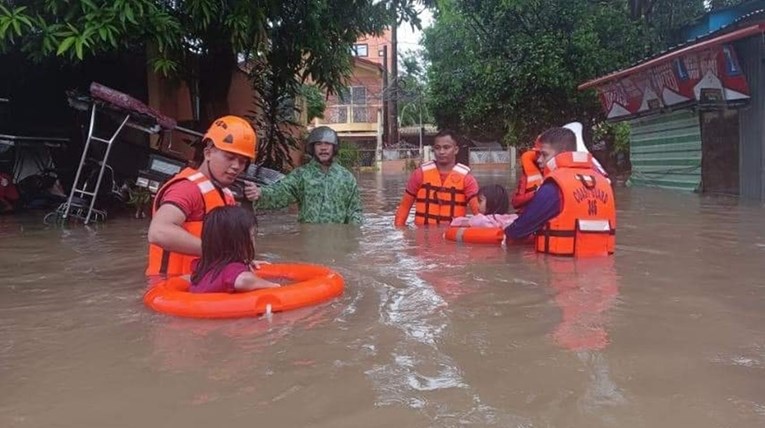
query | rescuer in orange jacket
(182,203)
(530,179)
(531,175)
(573,212)
(442,189)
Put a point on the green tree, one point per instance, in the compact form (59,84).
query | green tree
(663,18)
(412,91)
(314,100)
(199,39)
(508,69)
(720,4)
(202,41)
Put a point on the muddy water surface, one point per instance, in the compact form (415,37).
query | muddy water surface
(667,333)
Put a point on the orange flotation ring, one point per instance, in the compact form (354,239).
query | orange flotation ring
(313,284)
(476,235)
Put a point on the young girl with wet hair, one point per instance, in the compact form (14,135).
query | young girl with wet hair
(493,205)
(228,253)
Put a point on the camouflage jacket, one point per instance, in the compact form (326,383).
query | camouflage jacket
(322,197)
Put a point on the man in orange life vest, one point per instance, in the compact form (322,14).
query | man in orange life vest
(531,177)
(442,189)
(573,213)
(182,203)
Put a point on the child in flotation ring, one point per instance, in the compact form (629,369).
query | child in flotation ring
(228,253)
(493,205)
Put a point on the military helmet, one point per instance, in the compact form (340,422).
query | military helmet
(322,134)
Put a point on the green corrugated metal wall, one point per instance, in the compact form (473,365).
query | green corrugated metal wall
(665,151)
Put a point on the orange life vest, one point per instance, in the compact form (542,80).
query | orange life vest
(163,262)
(439,202)
(586,224)
(530,180)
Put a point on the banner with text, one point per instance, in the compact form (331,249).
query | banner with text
(710,77)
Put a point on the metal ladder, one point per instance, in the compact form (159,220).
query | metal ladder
(82,191)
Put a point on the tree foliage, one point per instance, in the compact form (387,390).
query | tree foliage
(663,17)
(74,29)
(720,4)
(412,91)
(508,69)
(202,41)
(315,102)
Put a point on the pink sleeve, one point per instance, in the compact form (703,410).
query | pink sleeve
(460,222)
(186,196)
(496,220)
(471,186)
(230,273)
(480,220)
(414,183)
(506,219)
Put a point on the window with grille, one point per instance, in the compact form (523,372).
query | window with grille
(354,97)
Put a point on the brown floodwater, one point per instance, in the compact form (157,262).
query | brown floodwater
(667,333)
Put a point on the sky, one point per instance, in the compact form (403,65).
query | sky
(408,39)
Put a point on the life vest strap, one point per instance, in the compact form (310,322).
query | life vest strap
(427,204)
(547,233)
(438,201)
(572,233)
(445,189)
(534,177)
(438,218)
(453,199)
(557,233)
(165,261)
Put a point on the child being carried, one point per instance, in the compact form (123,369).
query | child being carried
(493,205)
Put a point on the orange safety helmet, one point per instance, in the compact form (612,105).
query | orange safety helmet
(234,135)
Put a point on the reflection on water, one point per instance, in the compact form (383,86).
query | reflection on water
(668,332)
(584,290)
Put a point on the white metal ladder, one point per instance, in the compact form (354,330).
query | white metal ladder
(82,191)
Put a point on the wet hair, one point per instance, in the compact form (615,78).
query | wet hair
(199,151)
(448,133)
(497,199)
(560,139)
(225,239)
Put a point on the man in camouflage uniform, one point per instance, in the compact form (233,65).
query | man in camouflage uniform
(324,191)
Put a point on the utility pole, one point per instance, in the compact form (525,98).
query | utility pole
(421,128)
(393,80)
(384,95)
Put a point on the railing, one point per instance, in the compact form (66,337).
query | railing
(489,156)
(367,157)
(397,154)
(358,157)
(350,114)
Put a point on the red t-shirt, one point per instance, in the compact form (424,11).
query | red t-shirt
(185,195)
(7,188)
(415,181)
(221,283)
